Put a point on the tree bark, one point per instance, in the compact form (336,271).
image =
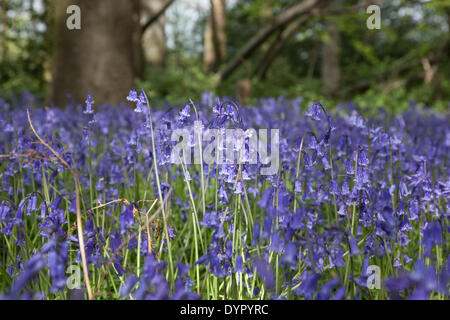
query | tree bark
(209,55)
(243,90)
(3,33)
(215,42)
(330,70)
(315,53)
(154,36)
(102,58)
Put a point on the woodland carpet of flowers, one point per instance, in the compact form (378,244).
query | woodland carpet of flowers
(350,193)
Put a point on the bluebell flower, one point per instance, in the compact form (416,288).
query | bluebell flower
(133,96)
(239,187)
(128,285)
(89,102)
(432,235)
(326,290)
(239,264)
(126,218)
(308,285)
(33,266)
(265,272)
(276,243)
(314,111)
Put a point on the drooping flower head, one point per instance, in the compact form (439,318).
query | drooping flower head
(89,102)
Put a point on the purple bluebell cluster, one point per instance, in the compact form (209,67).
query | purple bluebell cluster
(350,195)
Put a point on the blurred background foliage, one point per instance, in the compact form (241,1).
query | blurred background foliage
(406,60)
(25,47)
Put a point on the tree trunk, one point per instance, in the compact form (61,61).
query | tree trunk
(4,29)
(154,37)
(215,41)
(243,90)
(209,56)
(102,58)
(330,70)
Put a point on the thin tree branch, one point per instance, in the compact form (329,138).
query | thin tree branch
(247,50)
(158,14)
(270,55)
(354,8)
